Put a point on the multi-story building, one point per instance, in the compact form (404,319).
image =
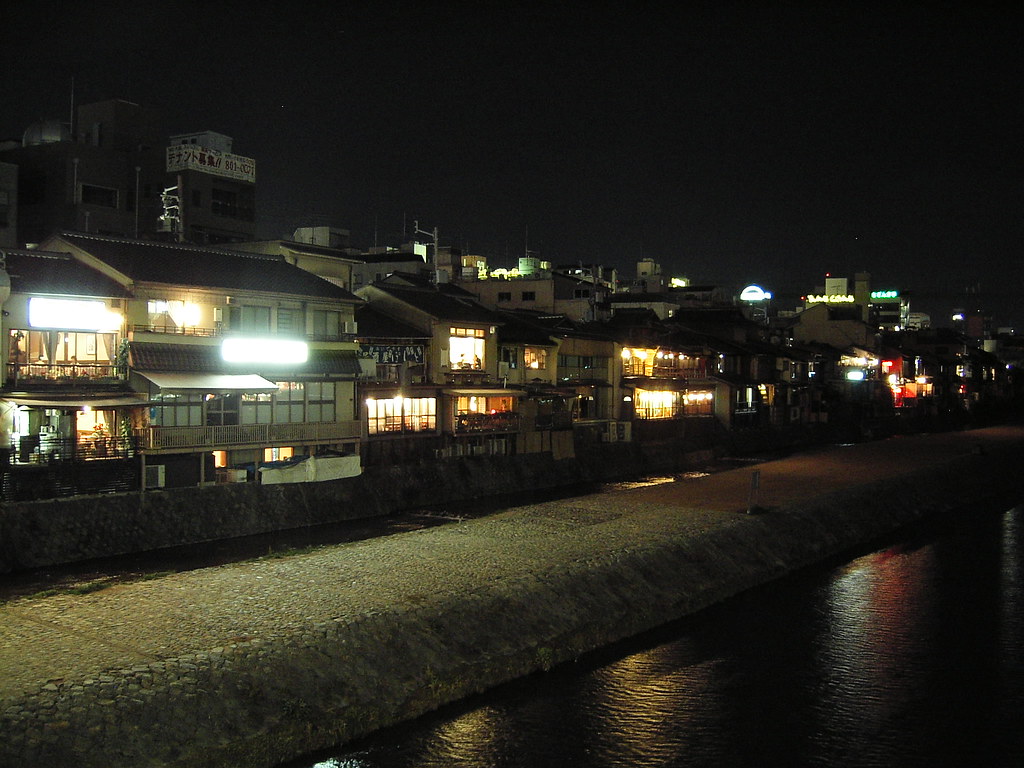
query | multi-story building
(8,205)
(104,174)
(207,364)
(211,194)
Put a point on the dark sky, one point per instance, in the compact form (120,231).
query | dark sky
(731,142)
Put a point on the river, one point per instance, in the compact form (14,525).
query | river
(908,655)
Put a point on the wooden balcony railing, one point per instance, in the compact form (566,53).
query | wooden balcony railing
(170,438)
(503,421)
(70,373)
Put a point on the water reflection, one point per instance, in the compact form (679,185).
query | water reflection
(910,656)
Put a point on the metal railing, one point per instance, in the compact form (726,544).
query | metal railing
(62,372)
(503,421)
(169,438)
(47,449)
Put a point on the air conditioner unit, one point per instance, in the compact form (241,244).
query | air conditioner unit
(350,326)
(229,300)
(155,476)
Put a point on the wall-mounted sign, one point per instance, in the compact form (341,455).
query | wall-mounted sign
(72,315)
(831,298)
(281,351)
(191,157)
(754,293)
(883,295)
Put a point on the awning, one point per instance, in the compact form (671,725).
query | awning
(212,382)
(661,385)
(125,401)
(484,392)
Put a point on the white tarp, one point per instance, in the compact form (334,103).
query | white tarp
(313,469)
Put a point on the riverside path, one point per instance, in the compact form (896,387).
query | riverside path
(257,662)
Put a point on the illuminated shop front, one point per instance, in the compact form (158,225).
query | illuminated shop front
(484,410)
(699,403)
(638,361)
(401,414)
(64,339)
(657,404)
(466,349)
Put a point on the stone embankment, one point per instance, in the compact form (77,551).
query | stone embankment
(255,663)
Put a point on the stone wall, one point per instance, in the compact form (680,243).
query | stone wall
(54,531)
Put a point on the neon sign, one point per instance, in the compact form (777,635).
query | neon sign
(754,293)
(830,298)
(885,294)
(264,351)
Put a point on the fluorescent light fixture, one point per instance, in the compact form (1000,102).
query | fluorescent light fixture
(72,315)
(278,351)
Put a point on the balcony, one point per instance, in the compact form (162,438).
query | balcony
(235,435)
(177,330)
(502,421)
(61,375)
(48,449)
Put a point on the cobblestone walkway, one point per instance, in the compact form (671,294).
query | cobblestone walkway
(68,662)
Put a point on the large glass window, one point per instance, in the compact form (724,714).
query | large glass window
(290,321)
(536,358)
(257,408)
(222,410)
(320,401)
(657,404)
(466,349)
(699,403)
(290,402)
(177,410)
(326,323)
(56,354)
(250,318)
(401,414)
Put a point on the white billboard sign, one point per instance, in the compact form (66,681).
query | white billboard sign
(191,157)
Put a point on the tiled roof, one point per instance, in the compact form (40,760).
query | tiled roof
(441,305)
(196,358)
(374,324)
(200,266)
(34,271)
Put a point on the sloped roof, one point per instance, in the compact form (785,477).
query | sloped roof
(374,324)
(197,358)
(203,267)
(48,272)
(519,329)
(441,304)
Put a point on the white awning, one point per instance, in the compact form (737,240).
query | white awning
(212,382)
(125,401)
(483,392)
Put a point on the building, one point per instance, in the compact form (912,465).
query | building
(104,174)
(211,193)
(8,205)
(203,365)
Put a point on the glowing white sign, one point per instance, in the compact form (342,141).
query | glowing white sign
(829,298)
(277,351)
(72,315)
(754,293)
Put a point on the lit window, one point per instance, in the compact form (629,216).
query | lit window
(536,358)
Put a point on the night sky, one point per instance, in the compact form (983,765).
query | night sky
(731,142)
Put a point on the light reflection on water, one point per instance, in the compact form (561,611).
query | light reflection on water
(910,656)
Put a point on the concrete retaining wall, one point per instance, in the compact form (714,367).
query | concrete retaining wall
(41,533)
(260,702)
